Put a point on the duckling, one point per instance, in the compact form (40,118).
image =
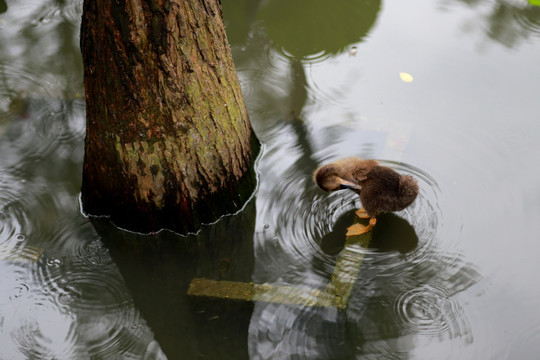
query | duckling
(381,189)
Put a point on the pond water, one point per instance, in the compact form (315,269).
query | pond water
(448,91)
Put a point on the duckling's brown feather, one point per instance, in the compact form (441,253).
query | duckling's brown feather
(324,177)
(355,169)
(382,188)
(380,191)
(408,190)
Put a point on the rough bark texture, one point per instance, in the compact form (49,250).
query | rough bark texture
(168,142)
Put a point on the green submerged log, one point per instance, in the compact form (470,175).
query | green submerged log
(336,294)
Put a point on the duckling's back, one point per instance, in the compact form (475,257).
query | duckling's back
(386,190)
(408,190)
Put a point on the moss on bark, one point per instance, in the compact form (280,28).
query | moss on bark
(168,142)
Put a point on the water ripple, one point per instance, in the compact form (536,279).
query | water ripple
(46,335)
(53,304)
(291,236)
(283,332)
(427,310)
(42,13)
(525,343)
(13,283)
(11,236)
(94,253)
(407,266)
(89,287)
(262,71)
(13,219)
(425,218)
(20,80)
(82,285)
(529,19)
(296,234)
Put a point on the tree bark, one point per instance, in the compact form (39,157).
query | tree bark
(168,138)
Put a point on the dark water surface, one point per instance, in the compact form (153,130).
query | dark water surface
(454,276)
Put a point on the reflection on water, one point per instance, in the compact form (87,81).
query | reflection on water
(158,270)
(323,28)
(449,277)
(62,296)
(393,233)
(408,286)
(506,22)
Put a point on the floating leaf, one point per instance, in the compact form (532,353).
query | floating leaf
(406,77)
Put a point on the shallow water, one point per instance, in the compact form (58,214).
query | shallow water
(451,277)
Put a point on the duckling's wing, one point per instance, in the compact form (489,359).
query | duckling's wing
(362,169)
(360,174)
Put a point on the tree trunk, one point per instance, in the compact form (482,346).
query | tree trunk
(168,141)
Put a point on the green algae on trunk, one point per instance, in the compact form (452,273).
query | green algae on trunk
(168,138)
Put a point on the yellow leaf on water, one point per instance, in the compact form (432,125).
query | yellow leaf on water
(406,77)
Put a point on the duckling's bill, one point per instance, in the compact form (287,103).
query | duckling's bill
(344,184)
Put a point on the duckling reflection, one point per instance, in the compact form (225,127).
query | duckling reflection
(381,189)
(392,233)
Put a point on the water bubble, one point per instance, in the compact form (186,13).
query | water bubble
(94,253)
(19,291)
(66,298)
(54,262)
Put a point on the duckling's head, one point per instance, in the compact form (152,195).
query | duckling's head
(328,178)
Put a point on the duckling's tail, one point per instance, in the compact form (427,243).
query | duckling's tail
(408,190)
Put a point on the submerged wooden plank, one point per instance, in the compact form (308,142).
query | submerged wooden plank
(336,294)
(347,268)
(259,292)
